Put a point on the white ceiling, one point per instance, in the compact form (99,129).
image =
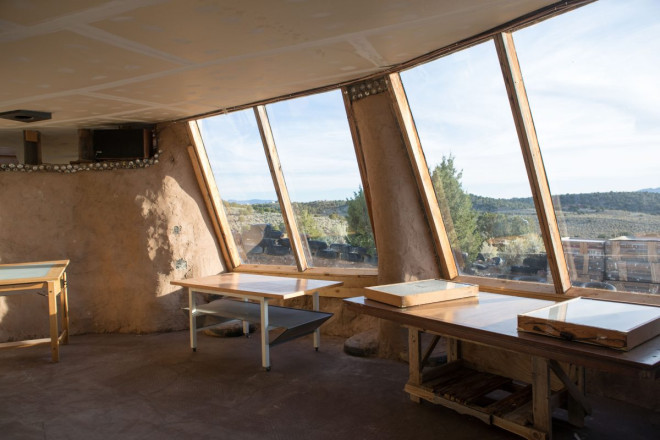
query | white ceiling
(96,63)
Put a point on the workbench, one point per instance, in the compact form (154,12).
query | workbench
(23,278)
(254,293)
(497,374)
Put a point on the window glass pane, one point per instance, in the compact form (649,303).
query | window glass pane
(464,122)
(592,80)
(316,150)
(239,166)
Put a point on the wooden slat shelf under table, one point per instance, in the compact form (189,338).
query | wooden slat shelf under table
(522,406)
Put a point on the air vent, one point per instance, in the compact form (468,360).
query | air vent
(25,115)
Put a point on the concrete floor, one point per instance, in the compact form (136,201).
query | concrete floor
(153,387)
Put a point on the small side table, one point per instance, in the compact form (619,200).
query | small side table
(259,289)
(21,278)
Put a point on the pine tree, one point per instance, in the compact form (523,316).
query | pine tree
(360,233)
(456,209)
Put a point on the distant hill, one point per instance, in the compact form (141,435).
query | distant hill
(644,201)
(252,202)
(639,201)
(489,204)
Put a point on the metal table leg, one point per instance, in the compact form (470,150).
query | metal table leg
(193,320)
(246,325)
(317,332)
(265,347)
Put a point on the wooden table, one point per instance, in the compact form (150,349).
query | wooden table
(501,376)
(260,289)
(17,279)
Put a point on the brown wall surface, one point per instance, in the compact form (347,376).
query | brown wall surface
(403,237)
(127,232)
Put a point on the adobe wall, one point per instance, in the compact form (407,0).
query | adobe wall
(403,237)
(127,232)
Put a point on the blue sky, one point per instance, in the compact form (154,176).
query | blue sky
(592,77)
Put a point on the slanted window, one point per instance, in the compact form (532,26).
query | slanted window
(592,82)
(309,161)
(316,151)
(239,166)
(467,132)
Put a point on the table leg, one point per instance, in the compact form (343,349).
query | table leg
(541,391)
(265,347)
(193,319)
(414,356)
(246,325)
(54,332)
(317,332)
(453,349)
(576,409)
(64,299)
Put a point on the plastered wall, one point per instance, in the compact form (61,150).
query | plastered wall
(127,233)
(403,237)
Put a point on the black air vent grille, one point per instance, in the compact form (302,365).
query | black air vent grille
(25,115)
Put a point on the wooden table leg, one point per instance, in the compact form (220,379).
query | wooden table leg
(541,392)
(576,409)
(52,312)
(64,302)
(414,357)
(453,349)
(576,402)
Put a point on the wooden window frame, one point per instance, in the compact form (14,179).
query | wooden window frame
(561,287)
(531,151)
(353,278)
(399,102)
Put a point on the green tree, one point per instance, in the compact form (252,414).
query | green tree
(307,224)
(493,224)
(359,225)
(456,208)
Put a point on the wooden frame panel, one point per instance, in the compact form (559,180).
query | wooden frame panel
(531,151)
(213,201)
(211,195)
(280,186)
(420,168)
(359,155)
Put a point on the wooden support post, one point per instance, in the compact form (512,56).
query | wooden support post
(297,246)
(453,349)
(421,172)
(64,303)
(359,155)
(222,234)
(86,146)
(31,147)
(429,350)
(211,195)
(414,357)
(522,116)
(52,312)
(541,392)
(577,405)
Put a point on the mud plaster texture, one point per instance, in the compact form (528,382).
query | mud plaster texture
(403,237)
(127,233)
